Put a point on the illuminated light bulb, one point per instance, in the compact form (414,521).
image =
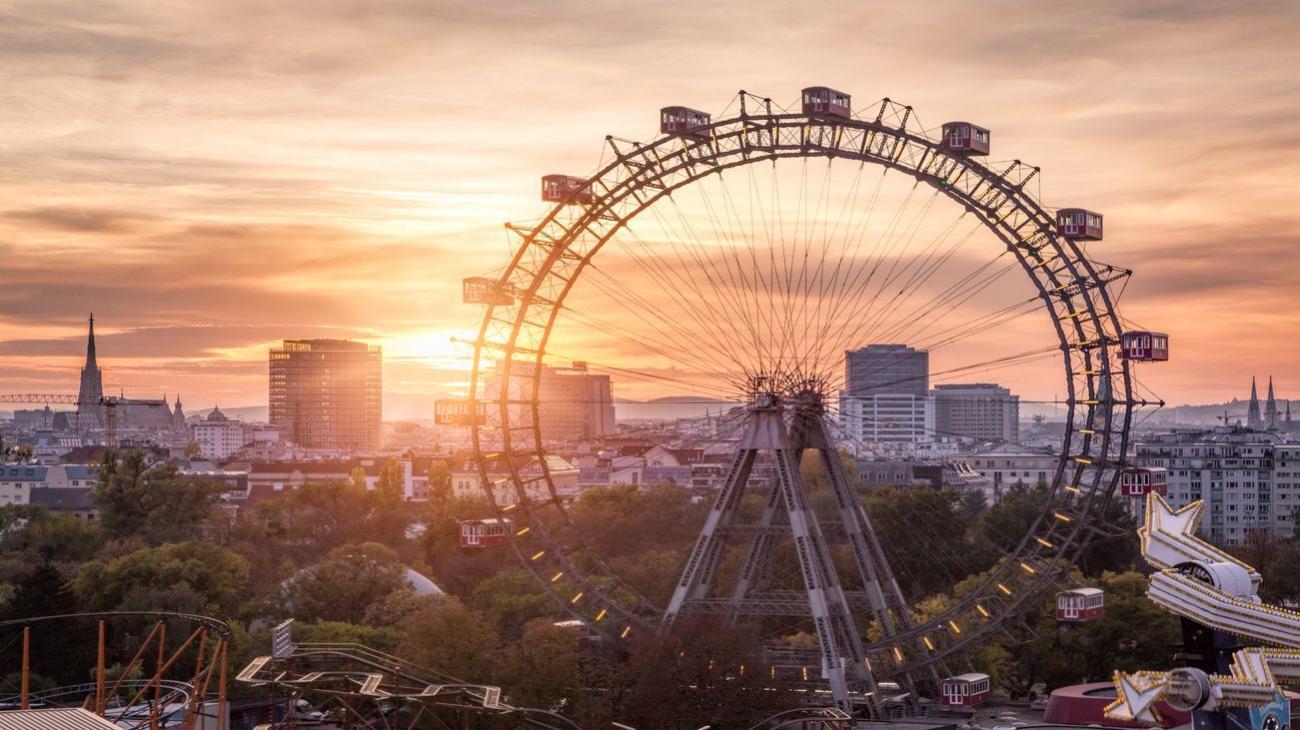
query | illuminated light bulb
(601,615)
(1004,589)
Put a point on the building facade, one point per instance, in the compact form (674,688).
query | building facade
(218,436)
(327,394)
(980,411)
(1008,465)
(888,369)
(1249,481)
(576,404)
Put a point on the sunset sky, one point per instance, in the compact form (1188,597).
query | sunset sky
(212,177)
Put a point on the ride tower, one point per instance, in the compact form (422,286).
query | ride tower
(781,425)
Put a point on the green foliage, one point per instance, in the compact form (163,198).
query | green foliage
(381,638)
(446,637)
(390,488)
(32,534)
(1132,633)
(283,535)
(926,531)
(544,668)
(187,576)
(154,502)
(511,599)
(344,585)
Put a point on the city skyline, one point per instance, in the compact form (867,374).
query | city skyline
(306,188)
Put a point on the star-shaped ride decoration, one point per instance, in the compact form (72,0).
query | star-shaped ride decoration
(1138,694)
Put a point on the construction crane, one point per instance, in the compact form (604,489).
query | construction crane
(110,404)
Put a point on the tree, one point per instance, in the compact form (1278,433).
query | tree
(154,502)
(699,672)
(1132,633)
(544,668)
(344,585)
(188,576)
(447,637)
(390,489)
(43,592)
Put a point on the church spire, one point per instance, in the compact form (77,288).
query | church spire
(90,343)
(1253,420)
(92,384)
(1270,407)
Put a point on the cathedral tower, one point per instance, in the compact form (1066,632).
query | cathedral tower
(1270,407)
(1253,420)
(89,411)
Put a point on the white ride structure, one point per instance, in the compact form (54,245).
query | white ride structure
(1204,585)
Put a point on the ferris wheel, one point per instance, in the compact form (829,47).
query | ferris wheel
(738,258)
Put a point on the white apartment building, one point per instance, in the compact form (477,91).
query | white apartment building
(219,436)
(1249,480)
(1008,465)
(888,418)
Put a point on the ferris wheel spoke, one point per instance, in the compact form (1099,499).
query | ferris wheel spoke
(709,301)
(826,278)
(669,331)
(720,350)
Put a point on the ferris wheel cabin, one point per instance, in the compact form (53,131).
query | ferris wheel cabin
(1078,224)
(482,290)
(487,532)
(965,138)
(966,690)
(1080,604)
(1144,346)
(684,121)
(565,189)
(1140,481)
(821,101)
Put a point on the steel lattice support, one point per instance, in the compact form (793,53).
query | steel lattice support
(842,653)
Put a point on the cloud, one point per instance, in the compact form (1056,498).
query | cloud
(207,176)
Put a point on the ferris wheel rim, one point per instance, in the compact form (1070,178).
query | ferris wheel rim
(1078,270)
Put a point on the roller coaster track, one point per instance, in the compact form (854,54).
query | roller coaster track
(357,676)
(1199,582)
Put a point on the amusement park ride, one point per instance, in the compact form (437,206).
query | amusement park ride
(770,356)
(1225,685)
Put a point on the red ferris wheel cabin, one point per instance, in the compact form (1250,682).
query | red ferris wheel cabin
(1140,481)
(966,690)
(684,121)
(1078,224)
(565,189)
(483,533)
(965,138)
(1144,346)
(1080,604)
(822,101)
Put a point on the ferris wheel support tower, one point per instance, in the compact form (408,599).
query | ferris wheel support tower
(788,512)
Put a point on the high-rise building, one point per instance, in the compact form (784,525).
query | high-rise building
(1250,481)
(889,369)
(981,411)
(576,404)
(91,392)
(886,396)
(327,394)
